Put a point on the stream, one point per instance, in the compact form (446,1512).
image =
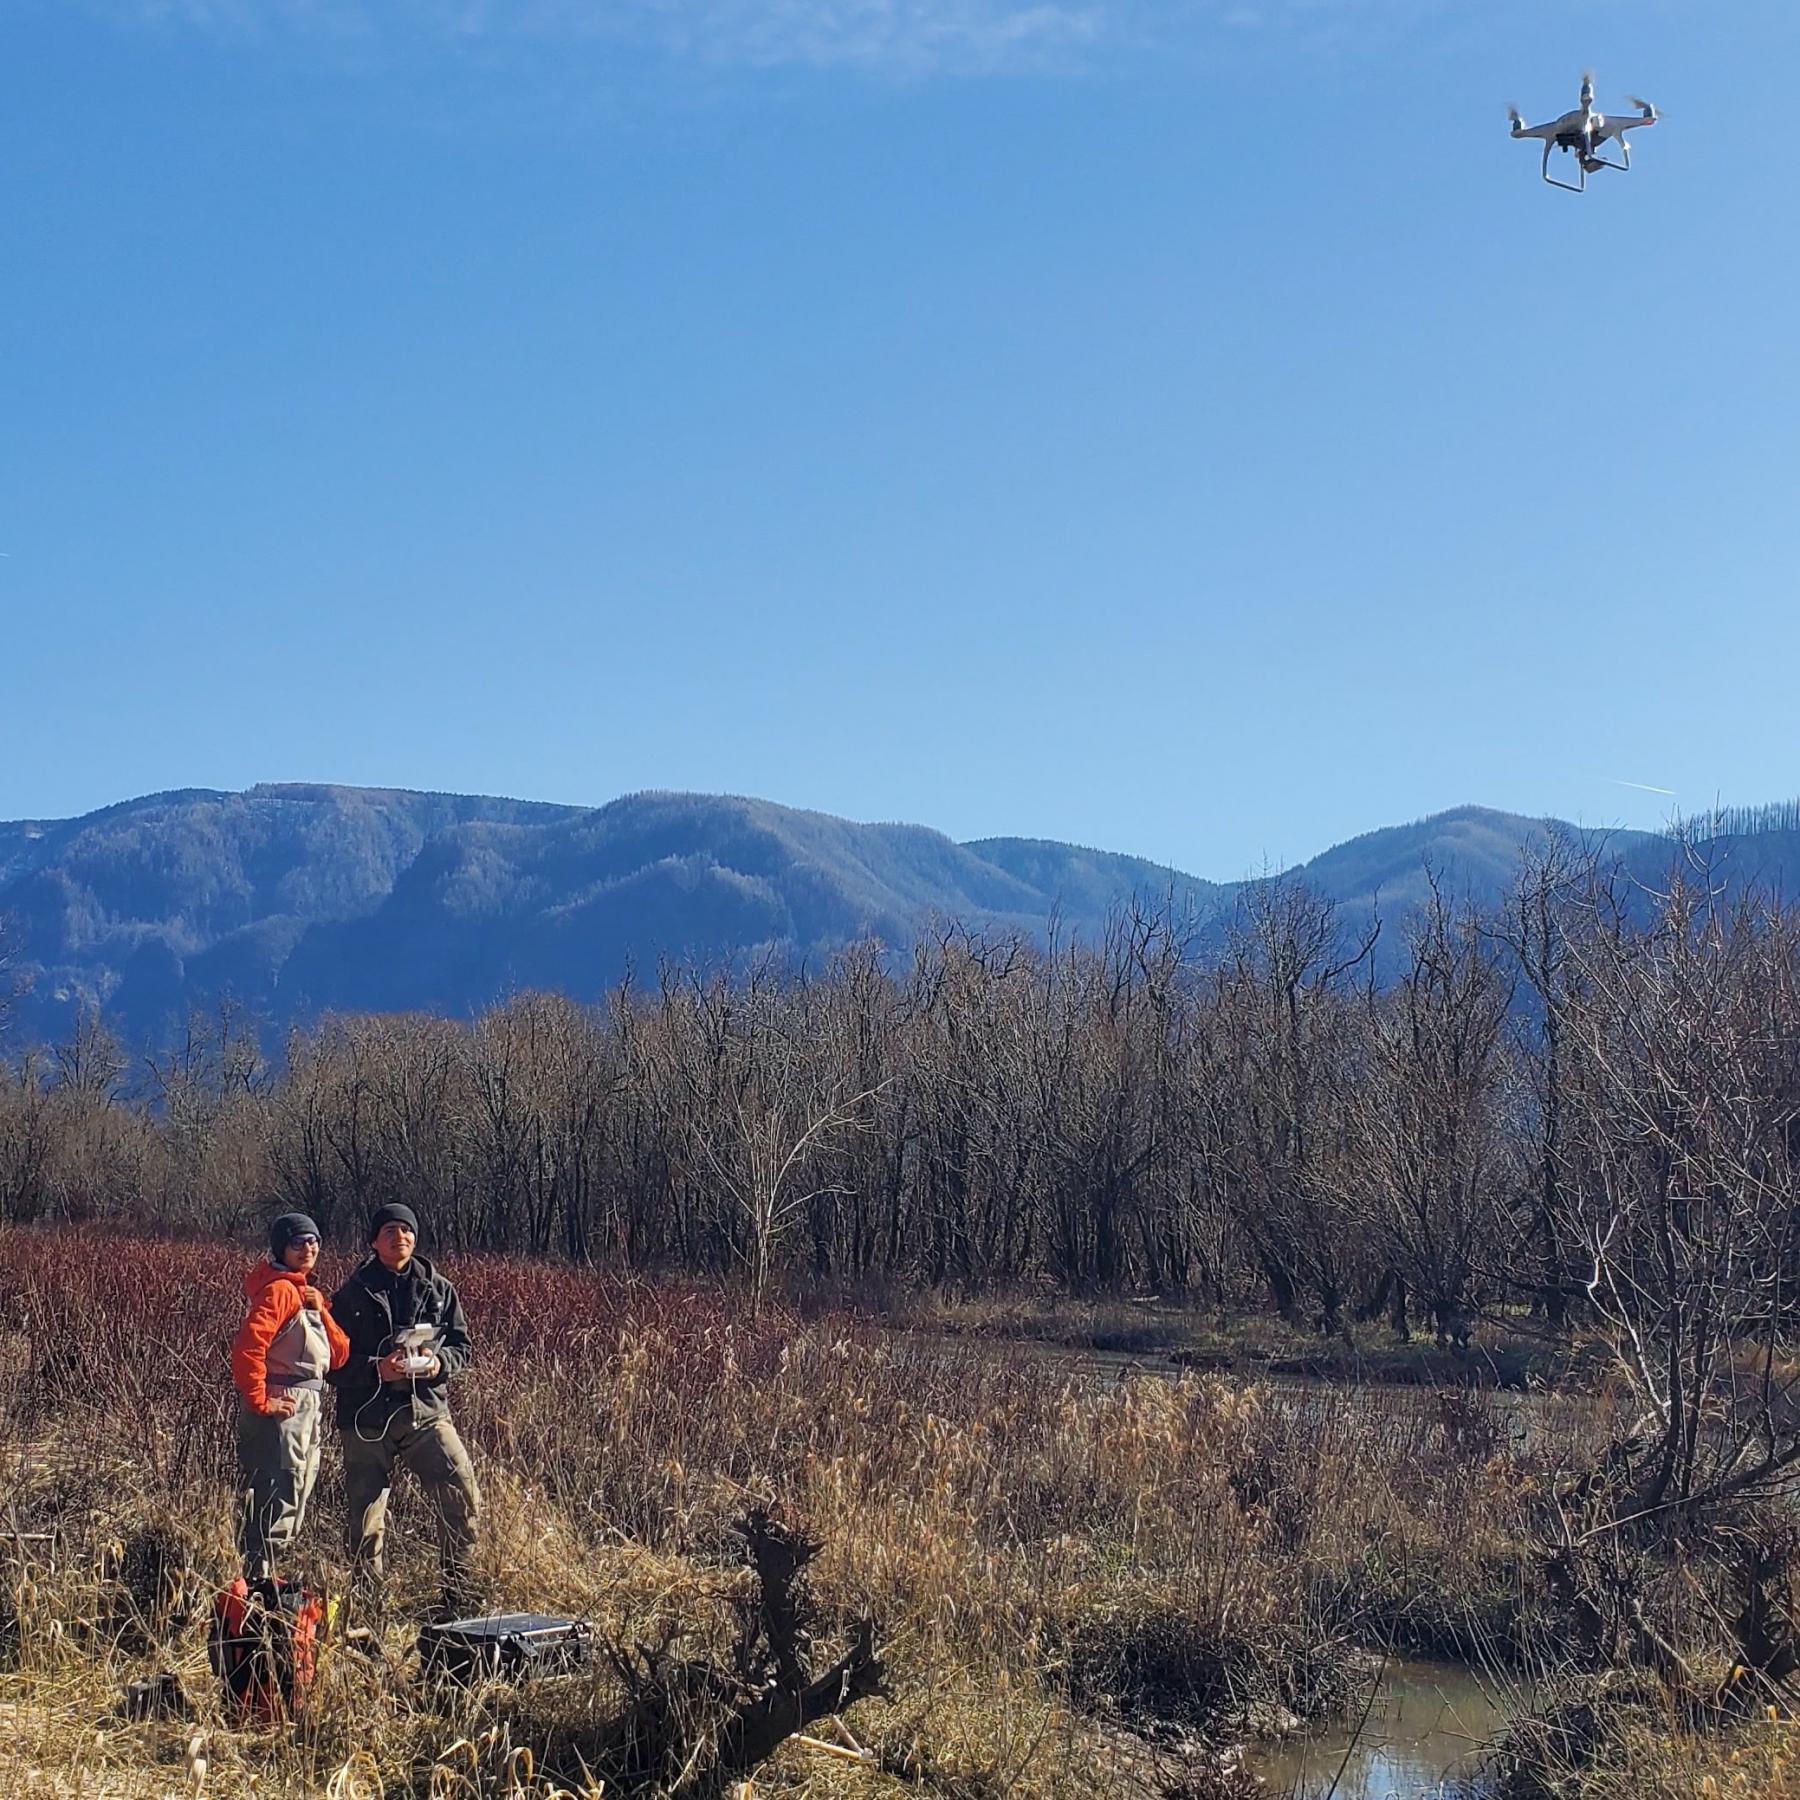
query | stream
(1429,1723)
(1422,1740)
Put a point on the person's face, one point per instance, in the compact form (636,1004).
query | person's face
(301,1254)
(394,1246)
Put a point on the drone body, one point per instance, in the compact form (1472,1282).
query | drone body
(1585,132)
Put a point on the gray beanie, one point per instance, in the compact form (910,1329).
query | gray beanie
(392,1214)
(288,1227)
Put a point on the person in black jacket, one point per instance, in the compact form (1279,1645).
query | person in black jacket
(388,1414)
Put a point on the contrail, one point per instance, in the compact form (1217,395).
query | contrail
(1642,786)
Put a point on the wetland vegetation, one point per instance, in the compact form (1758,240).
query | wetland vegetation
(776,1242)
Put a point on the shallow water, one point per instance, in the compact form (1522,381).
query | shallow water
(1422,1740)
(1430,1723)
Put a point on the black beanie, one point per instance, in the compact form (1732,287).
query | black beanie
(392,1214)
(288,1227)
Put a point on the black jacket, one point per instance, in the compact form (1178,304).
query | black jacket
(370,1308)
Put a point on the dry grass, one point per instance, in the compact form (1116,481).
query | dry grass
(1048,1557)
(1652,1758)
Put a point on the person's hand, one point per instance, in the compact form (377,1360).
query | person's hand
(312,1299)
(282,1407)
(390,1367)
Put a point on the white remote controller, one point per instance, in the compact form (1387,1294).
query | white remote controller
(414,1348)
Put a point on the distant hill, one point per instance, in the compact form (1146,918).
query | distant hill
(1766,858)
(486,908)
(297,899)
(154,903)
(1084,883)
(1469,850)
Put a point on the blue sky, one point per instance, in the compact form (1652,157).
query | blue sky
(1190,429)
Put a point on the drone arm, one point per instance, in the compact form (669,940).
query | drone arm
(1615,133)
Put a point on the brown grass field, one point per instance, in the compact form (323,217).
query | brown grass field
(1081,1588)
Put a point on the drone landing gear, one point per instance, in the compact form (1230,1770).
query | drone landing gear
(1586,164)
(1577,186)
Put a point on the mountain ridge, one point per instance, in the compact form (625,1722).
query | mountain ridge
(302,897)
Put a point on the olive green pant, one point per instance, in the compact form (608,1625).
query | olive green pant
(434,1453)
(278,1463)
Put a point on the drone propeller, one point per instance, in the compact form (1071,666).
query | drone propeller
(1518,119)
(1644,107)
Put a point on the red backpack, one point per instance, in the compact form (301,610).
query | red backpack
(262,1646)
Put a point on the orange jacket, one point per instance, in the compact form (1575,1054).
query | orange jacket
(275,1297)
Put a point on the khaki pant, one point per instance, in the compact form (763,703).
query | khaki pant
(278,1464)
(434,1452)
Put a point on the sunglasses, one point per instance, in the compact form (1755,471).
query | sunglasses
(306,1237)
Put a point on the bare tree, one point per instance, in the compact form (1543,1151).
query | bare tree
(90,1061)
(763,1108)
(13,981)
(1685,1156)
(1561,895)
(1428,1110)
(1290,1019)
(28,1138)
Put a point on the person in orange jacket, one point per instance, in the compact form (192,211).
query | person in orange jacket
(280,1357)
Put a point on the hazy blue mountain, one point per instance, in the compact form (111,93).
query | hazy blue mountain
(1766,859)
(1083,883)
(295,899)
(1470,849)
(143,907)
(484,908)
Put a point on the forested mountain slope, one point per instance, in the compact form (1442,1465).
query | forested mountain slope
(295,898)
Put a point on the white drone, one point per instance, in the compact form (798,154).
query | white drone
(1587,133)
